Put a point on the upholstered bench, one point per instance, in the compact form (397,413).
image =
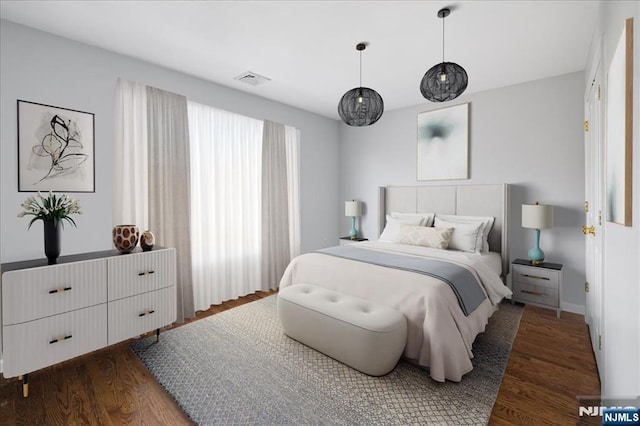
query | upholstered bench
(364,335)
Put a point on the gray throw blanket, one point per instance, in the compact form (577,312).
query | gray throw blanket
(463,283)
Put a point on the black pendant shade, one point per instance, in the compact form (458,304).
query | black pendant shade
(360,106)
(444,81)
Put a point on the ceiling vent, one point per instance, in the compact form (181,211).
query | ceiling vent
(252,78)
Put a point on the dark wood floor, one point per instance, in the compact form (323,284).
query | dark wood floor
(551,362)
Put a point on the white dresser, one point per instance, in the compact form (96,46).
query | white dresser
(51,313)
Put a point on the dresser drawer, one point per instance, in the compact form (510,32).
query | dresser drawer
(536,276)
(50,290)
(138,273)
(34,345)
(534,293)
(135,315)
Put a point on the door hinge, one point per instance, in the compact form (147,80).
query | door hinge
(600,217)
(586,287)
(598,91)
(586,125)
(586,207)
(599,342)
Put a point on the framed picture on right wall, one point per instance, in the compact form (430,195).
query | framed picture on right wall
(619,133)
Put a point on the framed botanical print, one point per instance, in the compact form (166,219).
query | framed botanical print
(56,149)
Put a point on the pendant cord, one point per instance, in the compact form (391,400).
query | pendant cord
(443,39)
(361,68)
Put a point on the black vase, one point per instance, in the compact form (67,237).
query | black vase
(52,240)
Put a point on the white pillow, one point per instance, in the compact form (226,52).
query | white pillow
(487,221)
(427,218)
(393,226)
(425,236)
(465,237)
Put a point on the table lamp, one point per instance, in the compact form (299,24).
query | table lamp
(353,209)
(537,216)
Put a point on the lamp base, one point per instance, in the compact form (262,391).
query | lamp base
(536,256)
(353,232)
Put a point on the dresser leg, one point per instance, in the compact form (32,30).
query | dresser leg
(157,335)
(25,385)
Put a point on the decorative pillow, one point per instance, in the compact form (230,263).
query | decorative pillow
(425,236)
(393,226)
(465,236)
(427,218)
(487,222)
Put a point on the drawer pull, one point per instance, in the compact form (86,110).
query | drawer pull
(145,273)
(144,314)
(535,277)
(59,290)
(534,293)
(60,339)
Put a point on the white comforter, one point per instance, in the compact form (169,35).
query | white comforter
(439,334)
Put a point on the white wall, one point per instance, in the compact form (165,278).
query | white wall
(528,135)
(621,332)
(39,67)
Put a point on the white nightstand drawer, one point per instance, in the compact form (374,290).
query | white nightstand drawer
(37,344)
(50,290)
(536,276)
(542,294)
(137,273)
(139,314)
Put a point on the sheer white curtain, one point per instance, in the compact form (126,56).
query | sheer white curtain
(225,204)
(169,185)
(213,175)
(130,174)
(292,142)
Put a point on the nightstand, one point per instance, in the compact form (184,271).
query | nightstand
(539,285)
(348,240)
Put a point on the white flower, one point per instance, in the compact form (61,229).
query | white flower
(50,207)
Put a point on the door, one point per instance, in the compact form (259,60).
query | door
(593,230)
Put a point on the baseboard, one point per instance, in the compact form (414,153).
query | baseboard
(570,307)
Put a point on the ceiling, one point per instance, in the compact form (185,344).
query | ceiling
(307,48)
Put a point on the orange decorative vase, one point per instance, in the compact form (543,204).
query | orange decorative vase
(125,237)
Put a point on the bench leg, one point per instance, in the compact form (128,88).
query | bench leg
(25,385)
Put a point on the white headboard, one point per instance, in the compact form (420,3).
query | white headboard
(468,200)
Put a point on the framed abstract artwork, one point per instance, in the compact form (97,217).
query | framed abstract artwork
(55,149)
(443,143)
(619,130)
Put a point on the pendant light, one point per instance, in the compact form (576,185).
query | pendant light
(444,81)
(360,106)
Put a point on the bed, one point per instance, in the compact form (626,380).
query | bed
(440,332)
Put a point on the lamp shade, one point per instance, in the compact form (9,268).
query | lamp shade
(537,216)
(444,82)
(353,208)
(361,106)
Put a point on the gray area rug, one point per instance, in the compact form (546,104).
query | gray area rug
(238,368)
